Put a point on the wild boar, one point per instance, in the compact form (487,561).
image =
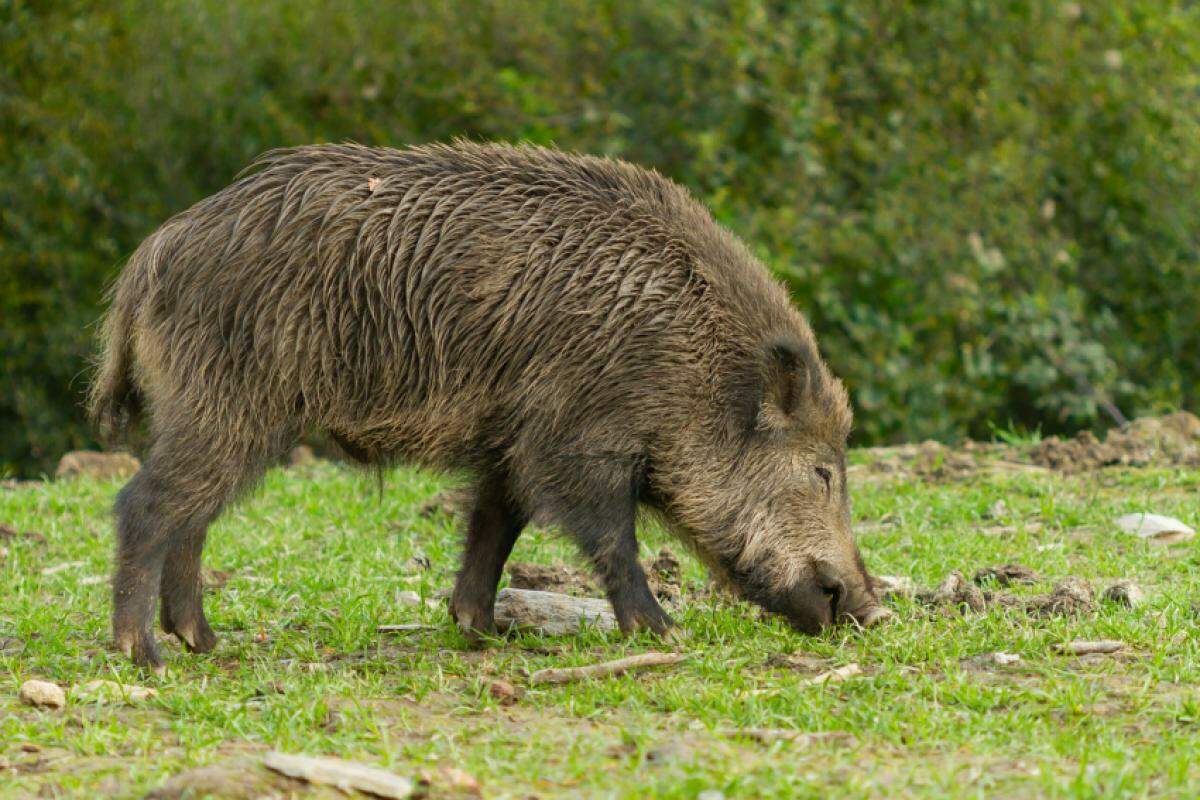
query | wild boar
(576,334)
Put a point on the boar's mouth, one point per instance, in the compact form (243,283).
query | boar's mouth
(806,607)
(814,603)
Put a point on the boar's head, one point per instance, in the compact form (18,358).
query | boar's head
(756,483)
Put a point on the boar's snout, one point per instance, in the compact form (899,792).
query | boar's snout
(826,598)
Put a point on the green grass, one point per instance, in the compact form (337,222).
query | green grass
(318,556)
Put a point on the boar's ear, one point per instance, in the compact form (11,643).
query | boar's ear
(774,387)
(786,378)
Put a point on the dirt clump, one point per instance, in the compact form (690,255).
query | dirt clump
(1172,440)
(1069,596)
(955,591)
(665,574)
(9,532)
(1125,593)
(1005,575)
(560,578)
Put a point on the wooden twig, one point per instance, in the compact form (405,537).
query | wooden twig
(618,667)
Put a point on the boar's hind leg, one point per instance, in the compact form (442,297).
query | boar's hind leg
(162,514)
(181,591)
(604,526)
(492,530)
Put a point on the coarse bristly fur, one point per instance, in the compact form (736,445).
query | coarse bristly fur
(576,333)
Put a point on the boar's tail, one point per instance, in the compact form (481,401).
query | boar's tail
(114,399)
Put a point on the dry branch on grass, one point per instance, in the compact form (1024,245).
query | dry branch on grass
(608,668)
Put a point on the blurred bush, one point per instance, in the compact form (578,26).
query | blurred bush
(982,206)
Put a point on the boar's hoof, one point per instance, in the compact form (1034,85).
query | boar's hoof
(139,647)
(196,637)
(649,617)
(476,624)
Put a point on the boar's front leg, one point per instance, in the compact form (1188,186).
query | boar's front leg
(492,530)
(603,523)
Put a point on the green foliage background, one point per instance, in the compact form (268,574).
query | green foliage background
(977,202)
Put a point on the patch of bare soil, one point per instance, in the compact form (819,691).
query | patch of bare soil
(1173,440)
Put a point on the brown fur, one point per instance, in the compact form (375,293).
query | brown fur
(577,333)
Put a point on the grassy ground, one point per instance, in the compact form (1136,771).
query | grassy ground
(318,557)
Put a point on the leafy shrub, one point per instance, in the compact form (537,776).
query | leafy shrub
(982,206)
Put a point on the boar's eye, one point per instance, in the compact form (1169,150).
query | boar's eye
(826,476)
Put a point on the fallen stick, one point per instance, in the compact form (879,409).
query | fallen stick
(339,773)
(1083,648)
(618,667)
(406,628)
(835,675)
(801,738)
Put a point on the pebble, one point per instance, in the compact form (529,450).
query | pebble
(42,694)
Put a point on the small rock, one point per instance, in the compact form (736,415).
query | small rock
(42,694)
(1126,593)
(505,692)
(998,510)
(339,773)
(112,692)
(1082,647)
(711,794)
(550,613)
(1004,659)
(888,586)
(1155,528)
(1005,574)
(408,598)
(101,466)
